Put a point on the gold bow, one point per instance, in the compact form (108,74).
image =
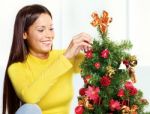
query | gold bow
(127,110)
(85,102)
(110,71)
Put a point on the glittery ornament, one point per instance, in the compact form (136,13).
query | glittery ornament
(132,61)
(110,71)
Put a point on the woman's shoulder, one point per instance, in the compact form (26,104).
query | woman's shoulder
(15,66)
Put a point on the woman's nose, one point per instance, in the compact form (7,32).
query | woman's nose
(49,34)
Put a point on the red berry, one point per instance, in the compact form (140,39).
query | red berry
(97,65)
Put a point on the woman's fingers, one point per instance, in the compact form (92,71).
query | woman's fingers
(84,45)
(79,42)
(82,37)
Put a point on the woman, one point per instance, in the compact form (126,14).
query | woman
(36,75)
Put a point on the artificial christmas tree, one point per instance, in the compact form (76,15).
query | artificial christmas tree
(109,77)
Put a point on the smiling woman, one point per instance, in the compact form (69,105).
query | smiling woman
(37,76)
(40,35)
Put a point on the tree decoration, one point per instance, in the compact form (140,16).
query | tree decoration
(109,76)
(110,71)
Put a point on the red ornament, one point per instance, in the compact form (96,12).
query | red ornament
(82,91)
(126,63)
(105,81)
(114,105)
(105,53)
(89,54)
(124,102)
(97,65)
(133,91)
(93,93)
(79,110)
(129,85)
(121,93)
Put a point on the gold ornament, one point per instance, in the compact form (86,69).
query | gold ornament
(144,101)
(125,109)
(110,71)
(87,104)
(132,74)
(84,101)
(132,61)
(81,102)
(134,109)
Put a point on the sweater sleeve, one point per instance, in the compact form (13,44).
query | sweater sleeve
(33,91)
(78,59)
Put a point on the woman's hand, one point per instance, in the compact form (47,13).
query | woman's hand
(79,42)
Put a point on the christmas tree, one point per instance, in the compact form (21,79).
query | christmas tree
(109,76)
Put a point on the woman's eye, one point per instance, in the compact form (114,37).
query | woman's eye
(51,29)
(41,30)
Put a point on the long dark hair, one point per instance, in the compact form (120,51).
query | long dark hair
(18,53)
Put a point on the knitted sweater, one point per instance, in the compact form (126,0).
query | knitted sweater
(46,82)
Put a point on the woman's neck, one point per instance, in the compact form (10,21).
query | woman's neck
(40,55)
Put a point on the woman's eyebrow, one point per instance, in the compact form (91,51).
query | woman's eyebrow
(43,26)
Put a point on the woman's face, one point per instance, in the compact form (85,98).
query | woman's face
(40,35)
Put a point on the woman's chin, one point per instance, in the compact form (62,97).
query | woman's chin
(46,50)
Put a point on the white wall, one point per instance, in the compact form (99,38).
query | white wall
(130,20)
(77,17)
(139,34)
(139,31)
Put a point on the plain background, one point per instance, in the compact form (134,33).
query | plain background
(70,17)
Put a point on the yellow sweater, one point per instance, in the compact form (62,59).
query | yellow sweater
(46,82)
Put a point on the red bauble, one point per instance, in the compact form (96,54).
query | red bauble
(121,93)
(114,105)
(82,91)
(105,53)
(133,91)
(126,63)
(128,85)
(79,110)
(97,65)
(124,102)
(105,81)
(89,54)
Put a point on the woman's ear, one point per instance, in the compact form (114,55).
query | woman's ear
(24,35)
